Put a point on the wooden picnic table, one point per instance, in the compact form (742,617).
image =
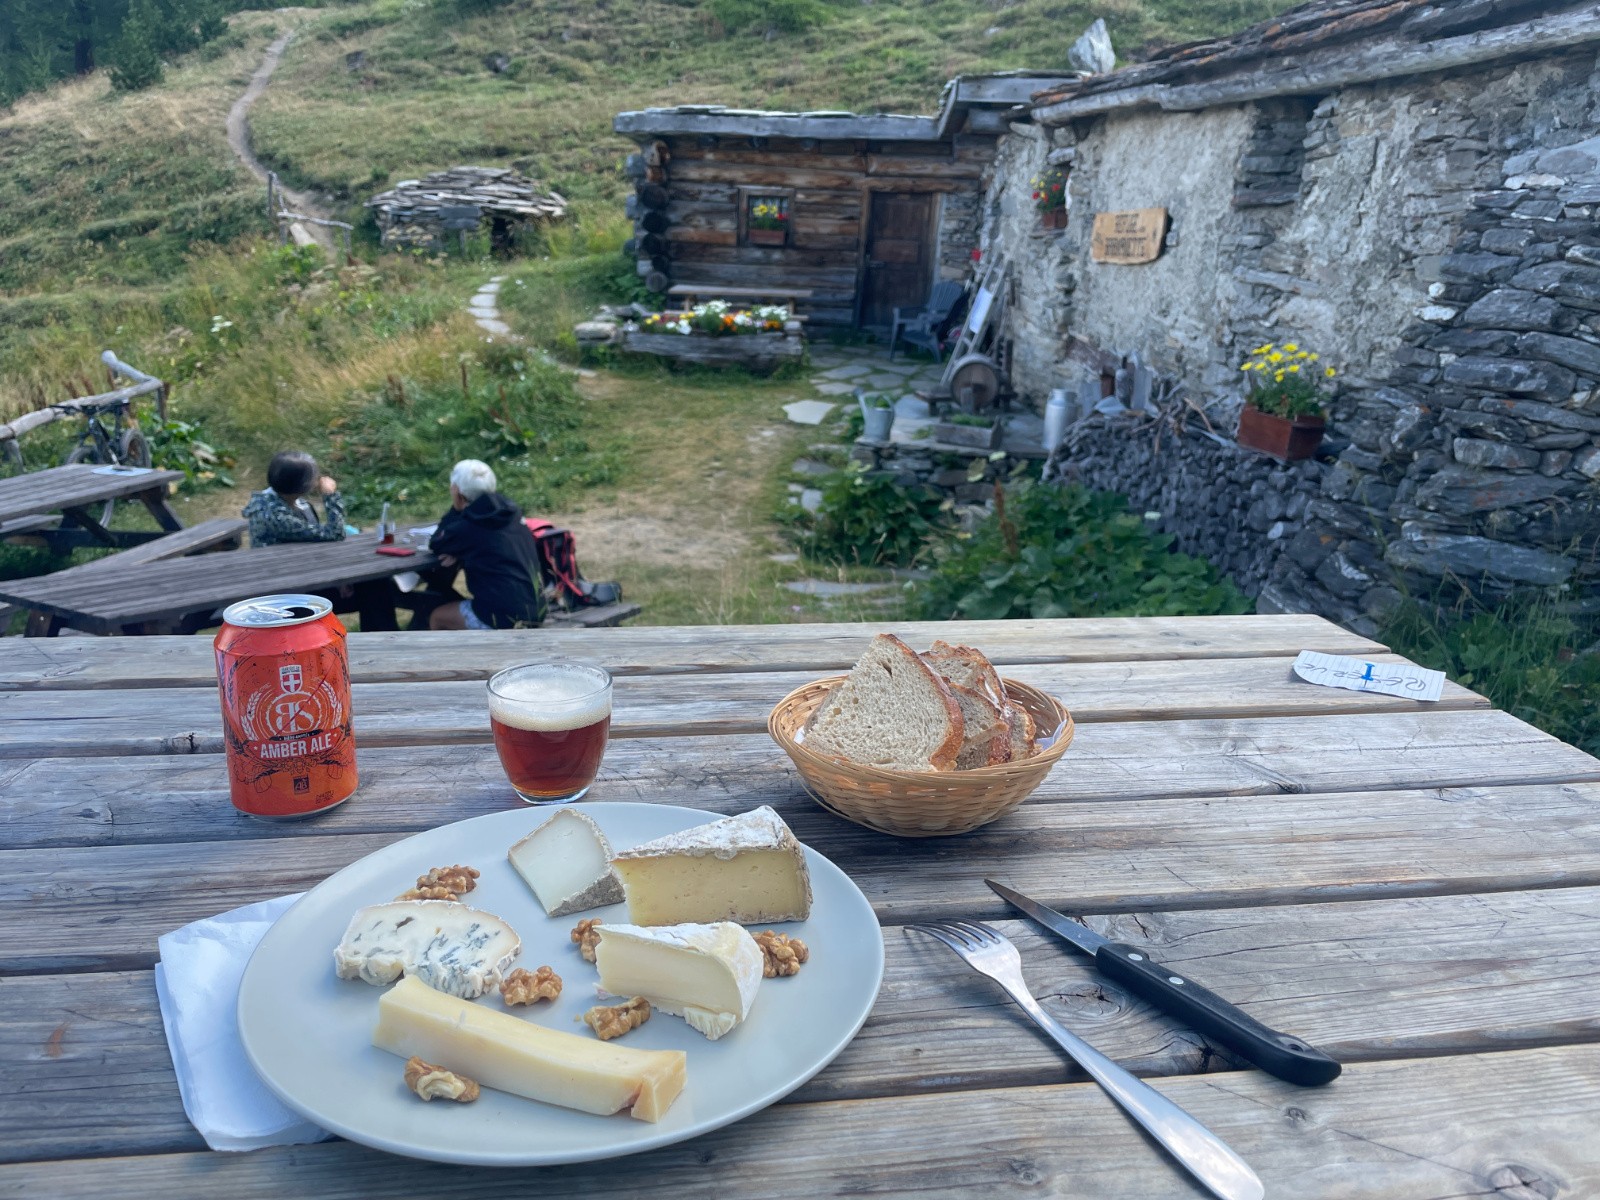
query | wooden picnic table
(1414,888)
(77,492)
(184,593)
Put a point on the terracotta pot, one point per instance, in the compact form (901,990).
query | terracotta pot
(767,237)
(1055,218)
(1284,438)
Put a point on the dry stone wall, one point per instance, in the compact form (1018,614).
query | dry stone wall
(1437,237)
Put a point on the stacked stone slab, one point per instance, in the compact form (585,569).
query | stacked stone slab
(412,212)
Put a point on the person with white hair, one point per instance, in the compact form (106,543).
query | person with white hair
(483,534)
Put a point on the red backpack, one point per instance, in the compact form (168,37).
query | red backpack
(564,583)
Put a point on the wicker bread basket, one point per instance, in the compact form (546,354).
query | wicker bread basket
(919,803)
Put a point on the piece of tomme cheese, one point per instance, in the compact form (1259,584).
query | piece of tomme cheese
(747,868)
(452,947)
(706,974)
(567,863)
(512,1055)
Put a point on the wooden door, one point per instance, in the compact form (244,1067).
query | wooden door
(899,254)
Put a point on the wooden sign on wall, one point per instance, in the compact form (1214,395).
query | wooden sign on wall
(1134,236)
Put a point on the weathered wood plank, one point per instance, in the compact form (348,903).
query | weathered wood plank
(391,657)
(1465,1125)
(184,797)
(187,720)
(1434,980)
(102,908)
(73,486)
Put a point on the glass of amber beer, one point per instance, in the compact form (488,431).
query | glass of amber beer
(550,722)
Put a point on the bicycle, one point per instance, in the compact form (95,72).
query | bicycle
(111,447)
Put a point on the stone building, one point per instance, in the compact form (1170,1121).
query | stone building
(1410,187)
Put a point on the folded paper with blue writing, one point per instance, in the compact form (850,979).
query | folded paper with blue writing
(1391,678)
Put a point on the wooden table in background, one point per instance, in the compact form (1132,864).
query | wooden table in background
(79,493)
(184,593)
(1415,888)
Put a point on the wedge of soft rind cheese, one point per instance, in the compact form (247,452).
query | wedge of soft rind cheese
(512,1055)
(747,869)
(567,863)
(706,974)
(448,946)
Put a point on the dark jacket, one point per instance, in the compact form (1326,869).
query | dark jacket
(274,520)
(499,556)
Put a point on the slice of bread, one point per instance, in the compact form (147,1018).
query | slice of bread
(1019,740)
(968,667)
(981,716)
(892,710)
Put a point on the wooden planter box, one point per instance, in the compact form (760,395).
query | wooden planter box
(978,437)
(767,237)
(1284,438)
(1055,218)
(757,350)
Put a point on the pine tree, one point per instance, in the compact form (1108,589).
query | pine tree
(135,61)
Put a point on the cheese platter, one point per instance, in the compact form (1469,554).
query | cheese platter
(344,987)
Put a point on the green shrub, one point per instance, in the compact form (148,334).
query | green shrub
(1528,653)
(177,446)
(1069,552)
(135,61)
(867,519)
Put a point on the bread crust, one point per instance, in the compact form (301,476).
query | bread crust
(985,679)
(944,757)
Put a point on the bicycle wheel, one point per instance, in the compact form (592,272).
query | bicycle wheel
(88,452)
(135,448)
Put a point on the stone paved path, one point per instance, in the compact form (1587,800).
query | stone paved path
(485,309)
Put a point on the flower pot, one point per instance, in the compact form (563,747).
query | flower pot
(877,422)
(767,237)
(1055,218)
(1285,438)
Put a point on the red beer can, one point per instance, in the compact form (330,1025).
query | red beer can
(284,678)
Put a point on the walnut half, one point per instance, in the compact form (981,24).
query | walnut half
(523,986)
(587,937)
(780,954)
(428,893)
(615,1020)
(435,1083)
(457,879)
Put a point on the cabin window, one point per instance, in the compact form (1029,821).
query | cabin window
(765,217)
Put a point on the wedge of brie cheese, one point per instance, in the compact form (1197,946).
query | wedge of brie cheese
(567,863)
(512,1055)
(747,868)
(456,949)
(706,974)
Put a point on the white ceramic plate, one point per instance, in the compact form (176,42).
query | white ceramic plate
(309,1033)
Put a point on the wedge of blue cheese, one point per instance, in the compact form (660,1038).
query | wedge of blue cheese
(706,974)
(567,863)
(748,868)
(451,947)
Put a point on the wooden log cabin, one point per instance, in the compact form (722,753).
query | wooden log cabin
(863,212)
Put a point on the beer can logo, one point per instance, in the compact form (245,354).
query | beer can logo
(287,721)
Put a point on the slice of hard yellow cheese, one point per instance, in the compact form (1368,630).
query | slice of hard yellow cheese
(513,1055)
(747,869)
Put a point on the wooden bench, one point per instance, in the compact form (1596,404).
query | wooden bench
(600,616)
(689,293)
(219,533)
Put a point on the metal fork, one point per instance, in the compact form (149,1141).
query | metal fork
(1206,1156)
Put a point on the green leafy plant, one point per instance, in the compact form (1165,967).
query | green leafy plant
(1050,189)
(1286,381)
(867,519)
(177,446)
(969,420)
(1530,653)
(1050,551)
(877,400)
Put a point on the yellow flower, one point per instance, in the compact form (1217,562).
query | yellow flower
(1302,354)
(1278,375)
(1293,370)
(1314,357)
(1274,358)
(1290,347)
(1262,349)
(1330,372)
(1248,367)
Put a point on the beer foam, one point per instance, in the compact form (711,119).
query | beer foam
(550,699)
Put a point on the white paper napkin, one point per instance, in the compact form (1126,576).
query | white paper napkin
(197,981)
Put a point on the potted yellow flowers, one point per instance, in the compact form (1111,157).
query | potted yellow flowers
(1283,415)
(1050,197)
(768,223)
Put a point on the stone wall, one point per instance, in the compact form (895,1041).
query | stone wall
(1436,238)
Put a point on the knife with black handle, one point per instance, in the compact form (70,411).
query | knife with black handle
(1279,1054)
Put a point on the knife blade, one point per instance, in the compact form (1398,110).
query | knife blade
(1280,1054)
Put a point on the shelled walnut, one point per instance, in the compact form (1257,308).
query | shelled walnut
(435,1083)
(523,986)
(612,1021)
(587,937)
(780,954)
(457,879)
(428,893)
